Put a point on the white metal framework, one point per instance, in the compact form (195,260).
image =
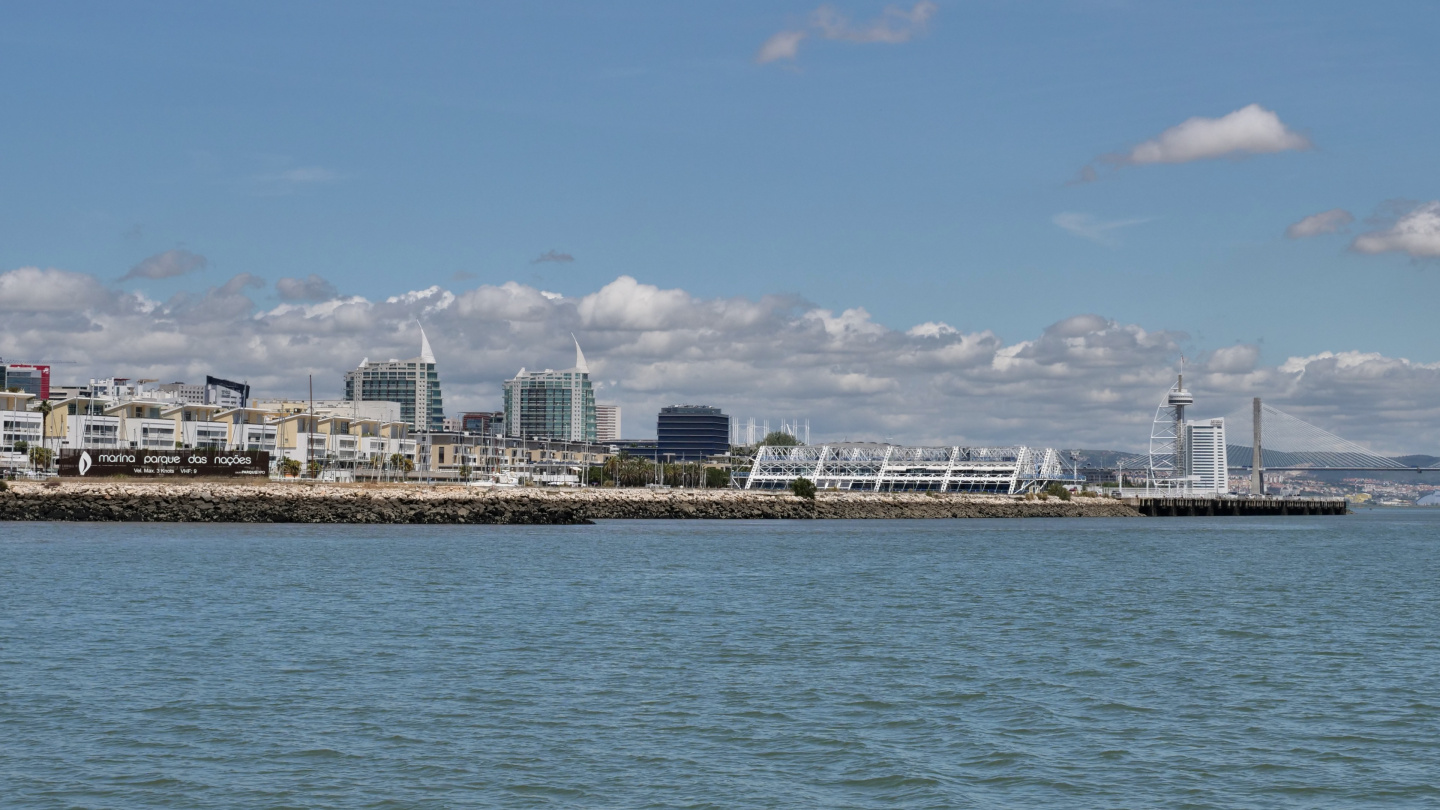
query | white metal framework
(1167,438)
(869,467)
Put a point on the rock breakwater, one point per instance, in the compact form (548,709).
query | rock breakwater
(342,503)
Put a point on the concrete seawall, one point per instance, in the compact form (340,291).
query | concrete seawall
(337,503)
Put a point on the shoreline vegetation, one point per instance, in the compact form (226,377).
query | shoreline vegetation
(217,502)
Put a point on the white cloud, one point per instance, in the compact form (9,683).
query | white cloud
(895,25)
(1089,227)
(1416,234)
(310,288)
(1250,130)
(30,289)
(784,45)
(169,264)
(1085,381)
(931,329)
(1332,221)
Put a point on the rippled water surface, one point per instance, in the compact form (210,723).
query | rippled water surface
(1026,663)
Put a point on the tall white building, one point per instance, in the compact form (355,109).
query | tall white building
(1207,464)
(607,423)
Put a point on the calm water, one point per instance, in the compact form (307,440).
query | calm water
(1183,663)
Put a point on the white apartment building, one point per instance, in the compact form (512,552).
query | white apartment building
(607,424)
(82,422)
(249,429)
(1206,460)
(18,424)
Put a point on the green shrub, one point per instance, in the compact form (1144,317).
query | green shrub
(1057,489)
(803,487)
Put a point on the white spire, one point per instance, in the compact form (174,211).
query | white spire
(579,357)
(426,355)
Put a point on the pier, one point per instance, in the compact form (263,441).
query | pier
(1238,507)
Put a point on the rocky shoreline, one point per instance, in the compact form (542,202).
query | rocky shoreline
(203,502)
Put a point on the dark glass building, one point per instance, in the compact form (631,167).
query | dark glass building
(692,432)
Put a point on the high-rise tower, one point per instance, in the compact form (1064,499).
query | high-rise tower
(552,404)
(414,383)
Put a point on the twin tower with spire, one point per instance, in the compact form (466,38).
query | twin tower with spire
(552,404)
(549,404)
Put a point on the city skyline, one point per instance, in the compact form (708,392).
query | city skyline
(925,222)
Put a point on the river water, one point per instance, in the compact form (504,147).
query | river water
(1227,662)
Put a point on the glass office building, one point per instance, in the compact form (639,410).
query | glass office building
(414,384)
(692,432)
(551,404)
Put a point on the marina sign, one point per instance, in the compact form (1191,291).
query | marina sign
(164,463)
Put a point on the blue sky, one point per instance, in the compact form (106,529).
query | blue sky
(388,148)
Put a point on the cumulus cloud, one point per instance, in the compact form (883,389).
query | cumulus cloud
(310,288)
(1086,381)
(1096,230)
(895,25)
(552,256)
(169,264)
(1416,234)
(1250,130)
(1332,221)
(30,289)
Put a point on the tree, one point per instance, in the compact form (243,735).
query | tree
(41,457)
(22,446)
(779,438)
(401,463)
(289,466)
(1057,489)
(803,487)
(716,478)
(464,472)
(313,468)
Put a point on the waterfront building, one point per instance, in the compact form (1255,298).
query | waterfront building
(18,424)
(483,423)
(26,379)
(607,424)
(413,383)
(215,391)
(142,426)
(81,422)
(1206,459)
(692,432)
(249,429)
(551,404)
(873,467)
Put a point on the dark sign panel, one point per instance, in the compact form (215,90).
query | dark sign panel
(165,463)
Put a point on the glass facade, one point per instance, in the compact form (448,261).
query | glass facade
(550,405)
(693,432)
(414,384)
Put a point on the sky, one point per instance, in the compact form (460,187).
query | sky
(968,221)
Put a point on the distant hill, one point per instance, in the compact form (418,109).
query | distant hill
(1107,459)
(1110,459)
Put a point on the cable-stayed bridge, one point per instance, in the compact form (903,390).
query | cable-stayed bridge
(1289,443)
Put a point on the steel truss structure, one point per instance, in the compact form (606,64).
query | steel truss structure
(892,468)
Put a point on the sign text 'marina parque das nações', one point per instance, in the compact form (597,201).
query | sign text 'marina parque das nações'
(164,463)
